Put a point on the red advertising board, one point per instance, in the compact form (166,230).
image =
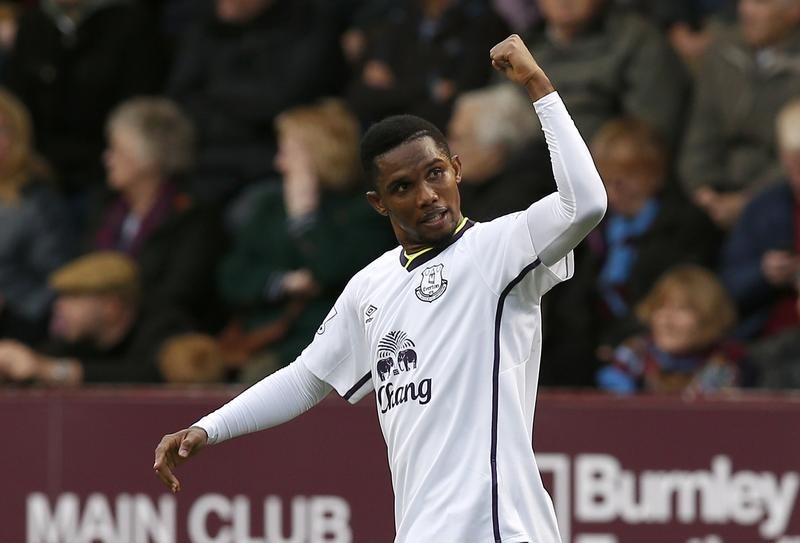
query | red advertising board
(77,468)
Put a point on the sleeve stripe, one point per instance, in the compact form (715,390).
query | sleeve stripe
(361,382)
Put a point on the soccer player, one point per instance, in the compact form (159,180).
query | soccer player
(445,329)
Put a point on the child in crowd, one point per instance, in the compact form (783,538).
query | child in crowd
(686,315)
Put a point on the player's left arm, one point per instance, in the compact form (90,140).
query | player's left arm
(558,222)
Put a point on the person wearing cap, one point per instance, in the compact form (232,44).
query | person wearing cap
(99,332)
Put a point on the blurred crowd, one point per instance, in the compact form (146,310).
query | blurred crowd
(181,199)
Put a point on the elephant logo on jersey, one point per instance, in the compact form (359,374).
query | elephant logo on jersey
(395,354)
(432,285)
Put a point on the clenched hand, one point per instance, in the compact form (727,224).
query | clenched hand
(513,59)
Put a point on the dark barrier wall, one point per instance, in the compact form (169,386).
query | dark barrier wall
(76,468)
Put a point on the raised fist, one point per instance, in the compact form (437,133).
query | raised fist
(512,58)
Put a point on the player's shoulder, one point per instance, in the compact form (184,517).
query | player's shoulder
(489,231)
(502,219)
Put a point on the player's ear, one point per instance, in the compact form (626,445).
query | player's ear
(456,162)
(374,200)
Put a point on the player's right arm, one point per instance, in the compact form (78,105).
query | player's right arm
(278,398)
(173,450)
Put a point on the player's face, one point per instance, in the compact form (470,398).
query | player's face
(417,188)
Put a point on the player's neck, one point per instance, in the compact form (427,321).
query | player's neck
(412,249)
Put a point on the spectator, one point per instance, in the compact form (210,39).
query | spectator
(99,331)
(289,263)
(760,258)
(686,315)
(689,24)
(648,228)
(492,133)
(236,70)
(176,243)
(36,235)
(425,53)
(72,62)
(749,72)
(608,63)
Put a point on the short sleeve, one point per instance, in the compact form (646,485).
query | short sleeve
(505,254)
(338,353)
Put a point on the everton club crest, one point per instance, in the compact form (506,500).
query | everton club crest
(432,285)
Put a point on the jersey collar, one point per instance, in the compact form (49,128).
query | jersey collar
(414,260)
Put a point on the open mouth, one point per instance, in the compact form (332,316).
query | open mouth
(434,218)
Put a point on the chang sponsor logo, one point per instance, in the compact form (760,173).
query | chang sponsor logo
(390,396)
(397,356)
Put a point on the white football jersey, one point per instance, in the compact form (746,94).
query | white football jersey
(449,339)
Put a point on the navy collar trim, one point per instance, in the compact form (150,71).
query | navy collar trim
(425,255)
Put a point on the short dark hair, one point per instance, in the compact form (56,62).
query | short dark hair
(392,132)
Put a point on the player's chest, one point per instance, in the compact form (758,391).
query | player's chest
(420,330)
(433,291)
(419,316)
